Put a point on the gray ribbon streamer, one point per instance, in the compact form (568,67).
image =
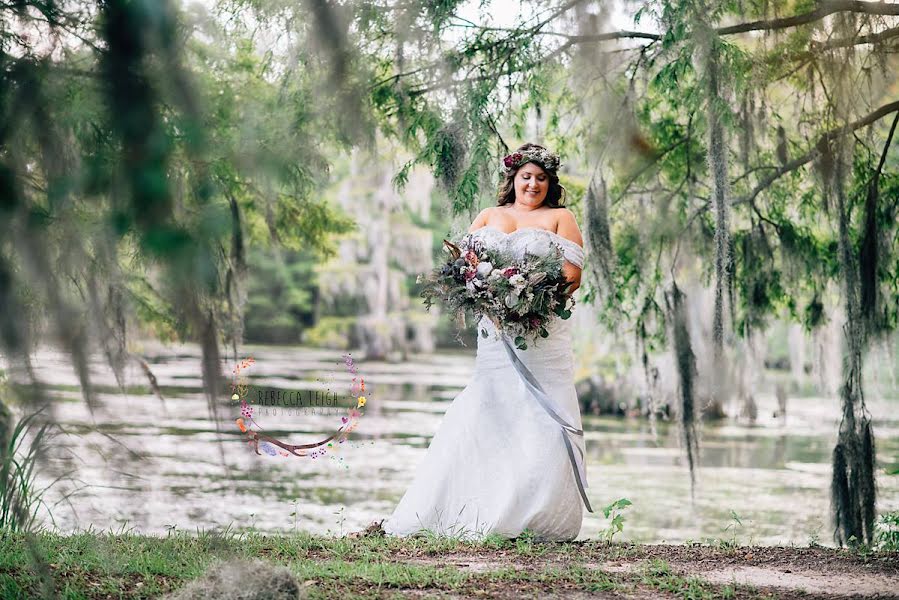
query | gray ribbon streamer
(577,461)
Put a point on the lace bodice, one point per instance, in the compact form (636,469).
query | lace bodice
(535,240)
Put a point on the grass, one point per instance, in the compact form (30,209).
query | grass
(21,445)
(91,564)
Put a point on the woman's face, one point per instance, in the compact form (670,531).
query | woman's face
(531,185)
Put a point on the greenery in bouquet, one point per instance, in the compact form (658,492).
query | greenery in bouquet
(519,296)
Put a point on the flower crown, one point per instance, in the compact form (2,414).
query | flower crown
(541,156)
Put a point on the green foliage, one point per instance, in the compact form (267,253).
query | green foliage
(613,512)
(280,296)
(140,167)
(782,244)
(735,524)
(144,150)
(331,332)
(887,536)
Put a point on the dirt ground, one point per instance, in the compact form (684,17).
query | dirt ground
(751,572)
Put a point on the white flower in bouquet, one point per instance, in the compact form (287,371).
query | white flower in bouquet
(518,280)
(484,269)
(512,299)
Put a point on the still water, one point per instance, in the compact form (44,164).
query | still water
(152,465)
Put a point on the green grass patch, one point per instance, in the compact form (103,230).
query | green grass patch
(126,565)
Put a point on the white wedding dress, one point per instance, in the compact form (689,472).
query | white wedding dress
(506,457)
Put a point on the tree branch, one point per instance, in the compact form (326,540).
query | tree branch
(871,38)
(814,152)
(603,37)
(824,9)
(815,48)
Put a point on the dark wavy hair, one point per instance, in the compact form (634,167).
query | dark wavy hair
(555,196)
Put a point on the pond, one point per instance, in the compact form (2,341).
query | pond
(152,465)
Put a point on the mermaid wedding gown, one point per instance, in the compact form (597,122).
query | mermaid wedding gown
(509,453)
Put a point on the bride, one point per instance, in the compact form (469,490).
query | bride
(509,453)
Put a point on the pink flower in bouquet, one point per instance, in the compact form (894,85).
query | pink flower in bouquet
(509,272)
(535,322)
(472,258)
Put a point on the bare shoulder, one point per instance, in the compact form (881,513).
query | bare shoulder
(567,217)
(487,212)
(482,219)
(568,227)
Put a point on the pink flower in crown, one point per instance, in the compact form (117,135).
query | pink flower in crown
(510,271)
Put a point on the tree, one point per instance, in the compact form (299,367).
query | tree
(749,132)
(137,157)
(140,151)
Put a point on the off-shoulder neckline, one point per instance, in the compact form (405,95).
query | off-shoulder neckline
(493,227)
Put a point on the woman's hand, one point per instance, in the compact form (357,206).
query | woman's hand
(572,274)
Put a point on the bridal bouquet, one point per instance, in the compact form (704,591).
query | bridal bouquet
(519,296)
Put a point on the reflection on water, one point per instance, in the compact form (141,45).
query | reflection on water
(152,466)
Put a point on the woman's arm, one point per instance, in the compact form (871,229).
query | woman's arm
(569,230)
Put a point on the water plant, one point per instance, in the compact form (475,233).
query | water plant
(22,445)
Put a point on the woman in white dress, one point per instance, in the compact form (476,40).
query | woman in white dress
(509,453)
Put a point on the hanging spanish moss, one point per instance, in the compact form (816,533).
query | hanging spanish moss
(871,244)
(76,216)
(449,156)
(783,151)
(685,360)
(853,486)
(599,238)
(193,266)
(868,257)
(109,318)
(234,277)
(747,133)
(717,156)
(853,491)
